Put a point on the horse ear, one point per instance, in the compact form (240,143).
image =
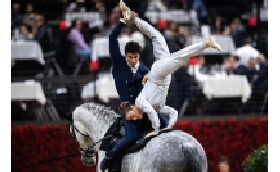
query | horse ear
(65,115)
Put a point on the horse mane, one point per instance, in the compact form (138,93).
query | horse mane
(100,111)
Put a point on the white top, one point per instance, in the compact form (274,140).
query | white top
(245,53)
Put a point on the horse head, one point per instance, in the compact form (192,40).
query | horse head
(81,135)
(88,124)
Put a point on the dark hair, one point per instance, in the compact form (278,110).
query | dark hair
(236,58)
(224,159)
(132,47)
(74,22)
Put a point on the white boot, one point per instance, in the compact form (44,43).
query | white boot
(125,10)
(212,43)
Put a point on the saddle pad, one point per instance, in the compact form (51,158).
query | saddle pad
(143,142)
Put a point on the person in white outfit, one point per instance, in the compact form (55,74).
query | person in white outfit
(154,93)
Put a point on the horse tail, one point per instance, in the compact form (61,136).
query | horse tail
(192,159)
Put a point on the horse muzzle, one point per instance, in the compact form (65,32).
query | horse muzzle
(88,161)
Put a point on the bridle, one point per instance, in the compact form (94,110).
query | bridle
(89,152)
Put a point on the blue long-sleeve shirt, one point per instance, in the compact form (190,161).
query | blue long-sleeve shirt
(121,72)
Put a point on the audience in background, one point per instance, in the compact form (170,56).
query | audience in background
(37,23)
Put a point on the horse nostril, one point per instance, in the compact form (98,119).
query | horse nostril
(89,162)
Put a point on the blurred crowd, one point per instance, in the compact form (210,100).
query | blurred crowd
(45,22)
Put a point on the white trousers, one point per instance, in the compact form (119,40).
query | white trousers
(166,62)
(160,74)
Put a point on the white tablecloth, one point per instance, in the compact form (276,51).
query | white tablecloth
(88,90)
(227,86)
(27,91)
(225,42)
(179,16)
(22,50)
(94,18)
(100,46)
(106,89)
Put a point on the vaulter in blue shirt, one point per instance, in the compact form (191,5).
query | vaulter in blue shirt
(127,71)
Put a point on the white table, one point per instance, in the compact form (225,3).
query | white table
(106,89)
(27,50)
(88,90)
(226,87)
(177,15)
(100,46)
(94,18)
(27,91)
(225,42)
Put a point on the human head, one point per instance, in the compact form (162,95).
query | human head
(223,164)
(132,52)
(77,24)
(38,20)
(15,7)
(29,8)
(201,60)
(134,114)
(130,111)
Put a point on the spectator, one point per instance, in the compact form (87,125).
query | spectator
(252,71)
(113,19)
(23,33)
(178,4)
(223,164)
(218,27)
(237,32)
(171,31)
(260,88)
(247,51)
(42,33)
(28,17)
(232,66)
(97,6)
(156,5)
(81,47)
(16,16)
(180,88)
(201,10)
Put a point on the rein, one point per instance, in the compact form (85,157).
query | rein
(68,156)
(86,135)
(41,162)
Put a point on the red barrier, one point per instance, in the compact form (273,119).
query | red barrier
(236,139)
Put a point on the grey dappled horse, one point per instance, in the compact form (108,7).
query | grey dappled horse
(175,151)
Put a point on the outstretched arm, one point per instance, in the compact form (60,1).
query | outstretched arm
(114,48)
(173,115)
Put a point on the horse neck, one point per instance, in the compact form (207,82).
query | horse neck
(98,131)
(96,119)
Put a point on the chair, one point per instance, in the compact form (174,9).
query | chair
(78,60)
(50,57)
(264,104)
(79,65)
